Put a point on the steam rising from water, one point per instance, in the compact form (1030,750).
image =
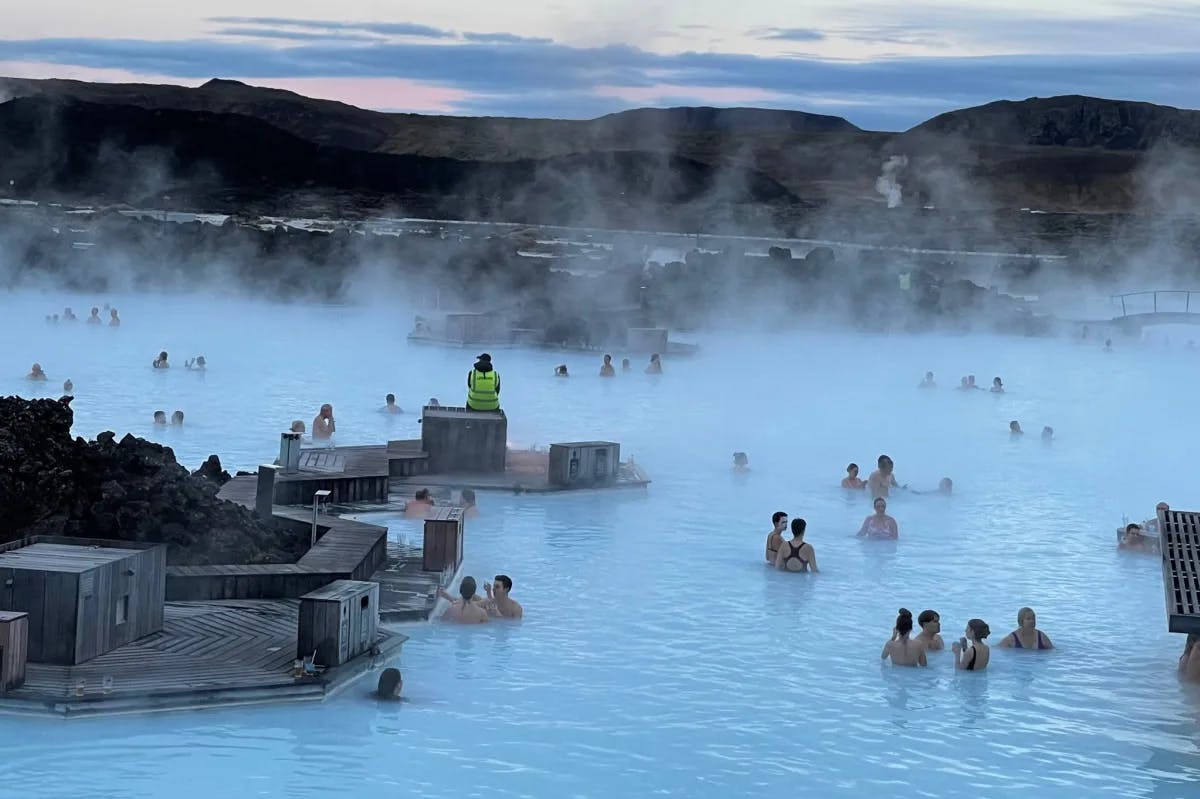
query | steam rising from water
(888,184)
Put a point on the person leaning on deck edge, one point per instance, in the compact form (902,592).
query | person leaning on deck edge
(483,386)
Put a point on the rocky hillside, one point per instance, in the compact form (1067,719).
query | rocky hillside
(128,490)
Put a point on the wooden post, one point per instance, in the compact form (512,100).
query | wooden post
(264,498)
(443,546)
(14,640)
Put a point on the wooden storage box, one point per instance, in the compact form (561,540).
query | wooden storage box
(339,622)
(14,641)
(443,548)
(461,441)
(584,463)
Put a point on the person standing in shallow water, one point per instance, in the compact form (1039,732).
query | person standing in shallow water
(114,320)
(607,369)
(796,555)
(465,609)
(879,524)
(928,381)
(1027,635)
(931,628)
(655,365)
(852,480)
(900,648)
(883,478)
(779,523)
(970,652)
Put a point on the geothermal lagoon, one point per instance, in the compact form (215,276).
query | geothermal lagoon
(658,655)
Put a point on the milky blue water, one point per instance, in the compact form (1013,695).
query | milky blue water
(658,656)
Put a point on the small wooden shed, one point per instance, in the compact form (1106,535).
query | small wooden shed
(338,622)
(14,639)
(84,597)
(463,441)
(443,543)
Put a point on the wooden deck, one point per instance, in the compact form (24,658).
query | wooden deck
(208,654)
(350,474)
(1179,534)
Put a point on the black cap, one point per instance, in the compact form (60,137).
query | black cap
(485,357)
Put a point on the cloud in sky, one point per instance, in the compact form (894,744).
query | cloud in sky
(513,74)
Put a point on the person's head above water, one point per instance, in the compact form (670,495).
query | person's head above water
(798,528)
(160,417)
(740,459)
(467,588)
(502,585)
(1014,426)
(904,621)
(297,426)
(390,399)
(997,382)
(880,504)
(779,519)
(162,356)
(885,464)
(1133,527)
(1026,618)
(625,364)
(979,629)
(1162,506)
(467,496)
(326,411)
(390,684)
(177,417)
(422,495)
(946,485)
(654,358)
(930,617)
(1047,432)
(608,360)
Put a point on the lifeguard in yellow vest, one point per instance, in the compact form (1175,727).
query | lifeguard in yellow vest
(483,386)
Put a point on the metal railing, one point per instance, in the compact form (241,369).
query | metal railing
(1171,301)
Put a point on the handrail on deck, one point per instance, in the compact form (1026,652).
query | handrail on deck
(1187,302)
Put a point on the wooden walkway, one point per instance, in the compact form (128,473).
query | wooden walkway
(208,654)
(1179,533)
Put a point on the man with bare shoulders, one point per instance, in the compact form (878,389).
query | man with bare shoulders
(323,426)
(883,478)
(467,609)
(499,600)
(779,522)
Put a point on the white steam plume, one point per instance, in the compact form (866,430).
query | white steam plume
(887,185)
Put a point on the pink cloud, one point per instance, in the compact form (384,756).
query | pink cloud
(392,94)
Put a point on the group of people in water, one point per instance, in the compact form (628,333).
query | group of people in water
(470,608)
(971,651)
(654,367)
(114,319)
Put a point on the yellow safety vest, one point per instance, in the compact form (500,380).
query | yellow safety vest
(481,391)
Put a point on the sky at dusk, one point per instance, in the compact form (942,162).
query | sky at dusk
(882,65)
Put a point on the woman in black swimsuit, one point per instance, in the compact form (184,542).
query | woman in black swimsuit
(970,652)
(796,555)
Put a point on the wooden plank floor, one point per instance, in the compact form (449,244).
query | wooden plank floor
(207,653)
(364,461)
(1179,533)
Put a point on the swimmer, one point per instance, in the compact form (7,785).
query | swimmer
(970,652)
(561,370)
(997,386)
(323,425)
(420,505)
(1132,538)
(852,480)
(884,478)
(197,364)
(69,315)
(36,373)
(94,319)
(177,418)
(1108,345)
(963,385)
(655,365)
(389,405)
(931,627)
(1189,661)
(779,523)
(160,418)
(390,685)
(902,650)
(297,426)
(68,386)
(113,319)
(971,383)
(741,463)
(879,524)
(161,361)
(465,609)
(1027,635)
(626,366)
(1014,428)
(1047,434)
(927,382)
(466,498)
(946,486)
(796,555)
(500,603)
(606,368)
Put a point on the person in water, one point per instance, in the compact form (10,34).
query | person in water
(852,480)
(36,373)
(971,383)
(483,386)
(626,366)
(1133,538)
(970,652)
(466,498)
(177,418)
(390,685)
(796,555)
(1047,434)
(389,405)
(1014,428)
(900,648)
(655,365)
(927,382)
(963,385)
(1189,661)
(1027,635)
(997,386)
(68,386)
(606,368)
(883,478)
(69,315)
(466,608)
(931,628)
(113,319)
(561,370)
(741,463)
(323,424)
(197,364)
(160,418)
(779,523)
(94,319)
(879,524)
(500,602)
(420,505)
(161,361)
(1108,345)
